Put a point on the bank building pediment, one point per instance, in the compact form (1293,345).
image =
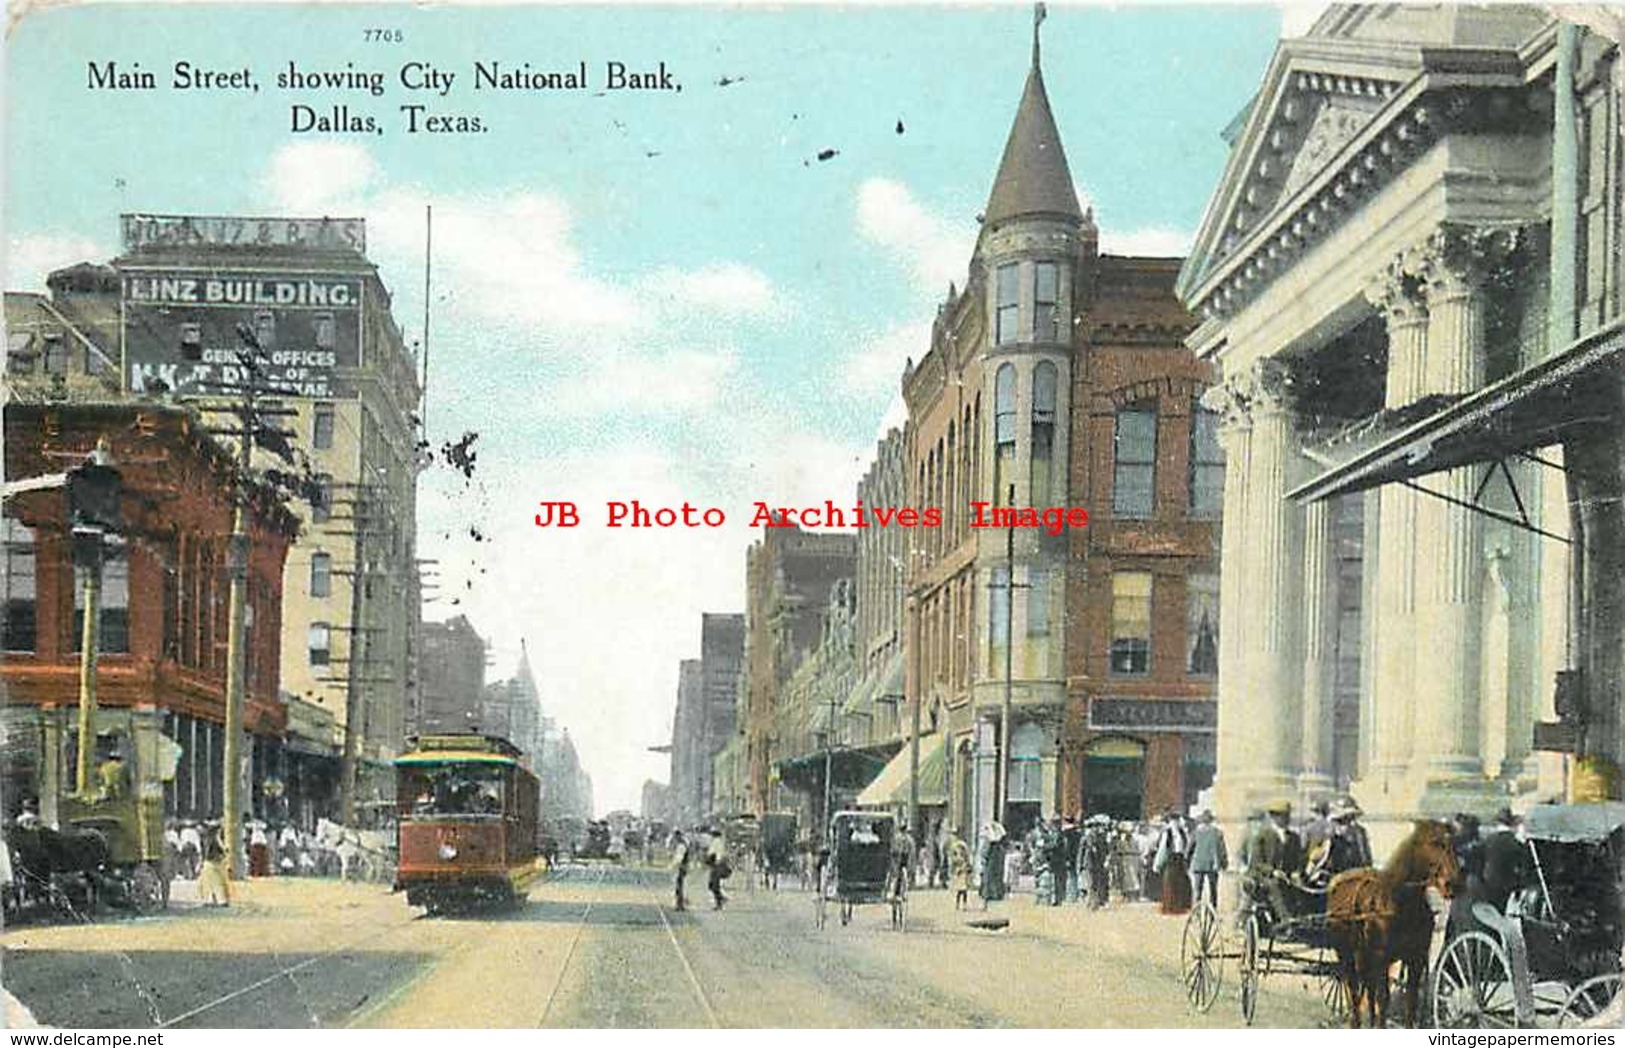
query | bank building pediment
(1340,112)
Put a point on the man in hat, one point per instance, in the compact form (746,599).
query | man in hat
(1503,861)
(1208,857)
(679,868)
(1350,846)
(1277,856)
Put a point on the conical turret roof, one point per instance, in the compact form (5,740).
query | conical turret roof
(1033,177)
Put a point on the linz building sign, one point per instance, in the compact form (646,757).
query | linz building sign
(189,282)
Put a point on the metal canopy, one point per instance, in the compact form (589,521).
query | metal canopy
(1571,823)
(1537,407)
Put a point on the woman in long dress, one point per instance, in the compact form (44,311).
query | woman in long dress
(213,886)
(994,847)
(1173,863)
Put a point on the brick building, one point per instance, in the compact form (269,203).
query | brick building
(163,614)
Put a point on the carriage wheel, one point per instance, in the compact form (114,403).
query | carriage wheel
(1590,999)
(1335,992)
(1472,986)
(1200,961)
(146,889)
(1249,968)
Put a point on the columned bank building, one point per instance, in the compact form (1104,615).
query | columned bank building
(1409,278)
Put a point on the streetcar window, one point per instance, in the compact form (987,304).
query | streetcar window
(456,790)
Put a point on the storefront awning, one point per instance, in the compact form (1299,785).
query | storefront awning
(1559,398)
(851,768)
(886,686)
(891,785)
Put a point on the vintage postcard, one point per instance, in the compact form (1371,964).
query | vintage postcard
(908,517)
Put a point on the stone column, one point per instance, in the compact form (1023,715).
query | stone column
(1400,299)
(1449,536)
(1235,435)
(1272,559)
(1320,611)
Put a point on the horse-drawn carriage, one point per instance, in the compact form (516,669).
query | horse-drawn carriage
(861,868)
(111,843)
(1552,958)
(1344,939)
(778,847)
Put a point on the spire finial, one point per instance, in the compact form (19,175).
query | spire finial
(1039,14)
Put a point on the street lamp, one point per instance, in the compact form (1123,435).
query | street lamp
(93,510)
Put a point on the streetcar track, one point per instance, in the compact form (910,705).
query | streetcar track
(287,972)
(688,969)
(569,953)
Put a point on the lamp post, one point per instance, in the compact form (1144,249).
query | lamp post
(1001,789)
(93,508)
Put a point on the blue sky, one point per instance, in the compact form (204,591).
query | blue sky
(723,321)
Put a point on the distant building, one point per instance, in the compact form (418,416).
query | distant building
(707,696)
(451,679)
(513,709)
(656,804)
(789,576)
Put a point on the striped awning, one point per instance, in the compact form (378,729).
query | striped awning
(891,786)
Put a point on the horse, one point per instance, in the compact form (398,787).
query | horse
(1378,917)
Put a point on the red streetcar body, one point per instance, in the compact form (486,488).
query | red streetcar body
(467,823)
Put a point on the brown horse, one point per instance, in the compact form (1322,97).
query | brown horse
(1379,917)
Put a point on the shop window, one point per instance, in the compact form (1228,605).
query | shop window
(1131,623)
(1027,764)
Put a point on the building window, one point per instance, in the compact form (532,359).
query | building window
(325,331)
(1202,625)
(1004,434)
(321,436)
(321,574)
(1135,472)
(1008,288)
(265,328)
(191,340)
(113,625)
(1027,763)
(1207,465)
(56,355)
(998,606)
(1037,603)
(1043,453)
(319,639)
(19,586)
(321,501)
(1046,297)
(1131,623)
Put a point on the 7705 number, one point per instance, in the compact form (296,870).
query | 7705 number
(383,36)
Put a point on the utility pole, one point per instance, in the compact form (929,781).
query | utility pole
(237,602)
(829,763)
(912,610)
(354,700)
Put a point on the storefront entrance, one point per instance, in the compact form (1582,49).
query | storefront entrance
(1114,778)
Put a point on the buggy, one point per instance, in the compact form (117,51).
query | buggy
(860,867)
(1552,958)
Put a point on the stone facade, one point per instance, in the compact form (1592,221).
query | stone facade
(451,678)
(1388,239)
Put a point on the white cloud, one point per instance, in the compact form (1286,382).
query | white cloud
(30,259)
(1152,241)
(730,289)
(1298,17)
(928,246)
(312,177)
(675,382)
(877,365)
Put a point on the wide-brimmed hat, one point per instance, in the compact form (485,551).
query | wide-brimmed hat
(1279,808)
(1346,808)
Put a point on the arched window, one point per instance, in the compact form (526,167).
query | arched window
(1004,434)
(1043,453)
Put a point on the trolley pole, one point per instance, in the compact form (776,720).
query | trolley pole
(913,613)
